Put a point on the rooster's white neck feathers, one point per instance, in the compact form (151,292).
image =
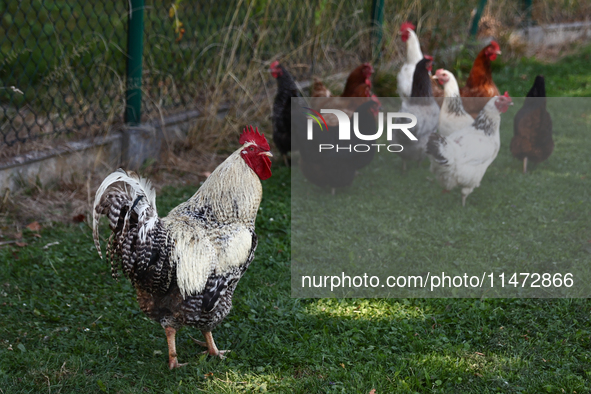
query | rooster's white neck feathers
(413,49)
(230,198)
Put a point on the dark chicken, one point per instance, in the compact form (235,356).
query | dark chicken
(331,168)
(532,127)
(186,265)
(421,104)
(286,89)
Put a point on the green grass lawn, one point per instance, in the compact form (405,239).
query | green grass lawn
(66,326)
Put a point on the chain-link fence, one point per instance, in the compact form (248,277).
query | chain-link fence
(61,67)
(63,63)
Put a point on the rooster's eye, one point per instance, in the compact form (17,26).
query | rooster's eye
(251,148)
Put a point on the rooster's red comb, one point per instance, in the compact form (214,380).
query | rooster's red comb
(252,135)
(506,95)
(407,25)
(275,64)
(495,45)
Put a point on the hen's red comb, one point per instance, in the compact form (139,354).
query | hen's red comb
(275,64)
(407,25)
(252,135)
(495,45)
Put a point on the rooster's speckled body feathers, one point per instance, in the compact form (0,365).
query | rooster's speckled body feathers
(186,265)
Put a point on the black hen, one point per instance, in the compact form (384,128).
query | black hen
(532,127)
(286,89)
(334,168)
(421,104)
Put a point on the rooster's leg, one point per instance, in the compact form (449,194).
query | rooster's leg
(173,362)
(198,342)
(212,349)
(464,199)
(525,164)
(285,160)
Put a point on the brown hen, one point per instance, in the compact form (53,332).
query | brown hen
(532,127)
(480,82)
(358,85)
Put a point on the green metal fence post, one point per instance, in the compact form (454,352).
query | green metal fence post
(135,48)
(476,20)
(528,7)
(377,19)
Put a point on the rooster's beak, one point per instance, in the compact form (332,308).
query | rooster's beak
(498,52)
(434,77)
(266,154)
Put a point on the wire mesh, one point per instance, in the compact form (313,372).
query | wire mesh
(61,67)
(62,64)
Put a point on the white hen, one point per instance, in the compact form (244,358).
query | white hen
(453,116)
(461,159)
(413,56)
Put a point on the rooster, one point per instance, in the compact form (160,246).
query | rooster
(480,82)
(413,56)
(461,159)
(452,116)
(185,266)
(286,89)
(532,127)
(421,104)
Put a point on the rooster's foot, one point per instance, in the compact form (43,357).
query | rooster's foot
(444,191)
(212,349)
(220,353)
(174,363)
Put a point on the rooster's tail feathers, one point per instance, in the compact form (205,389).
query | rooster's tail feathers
(137,195)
